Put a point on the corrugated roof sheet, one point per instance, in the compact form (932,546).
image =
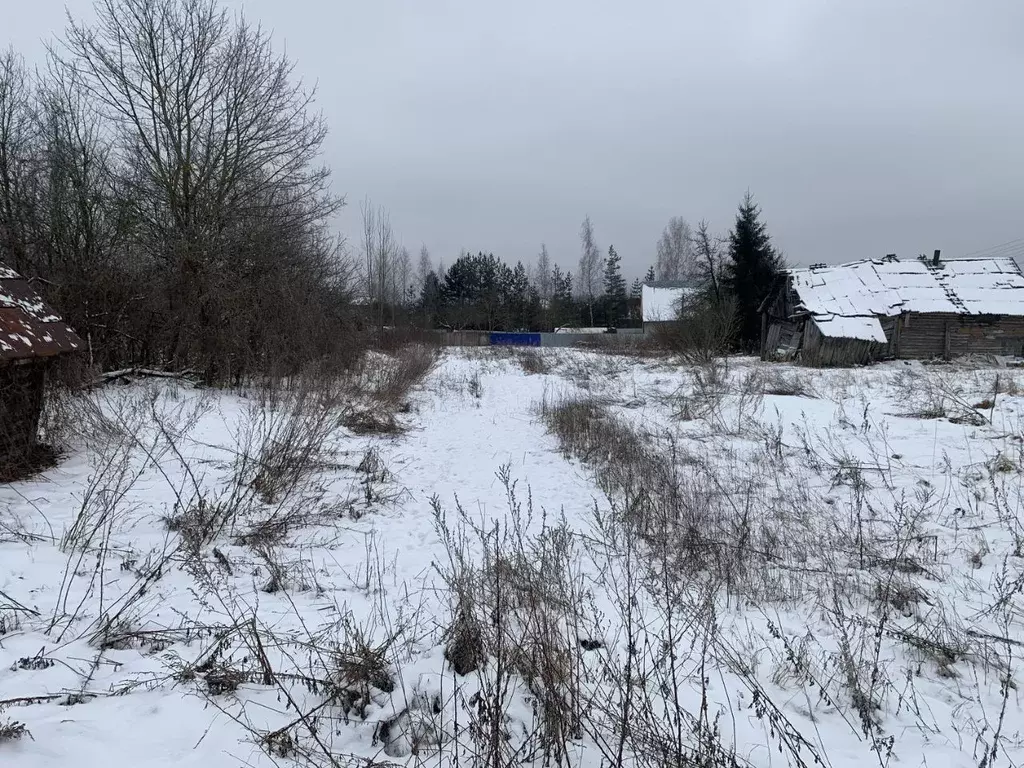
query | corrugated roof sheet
(28,327)
(889,287)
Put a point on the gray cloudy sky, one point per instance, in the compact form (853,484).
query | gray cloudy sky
(862,126)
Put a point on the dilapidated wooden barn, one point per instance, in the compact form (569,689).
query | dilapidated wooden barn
(876,309)
(31,336)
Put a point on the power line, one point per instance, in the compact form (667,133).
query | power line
(1011,247)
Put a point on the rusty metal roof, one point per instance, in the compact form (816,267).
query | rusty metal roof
(28,327)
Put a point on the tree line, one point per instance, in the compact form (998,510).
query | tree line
(727,275)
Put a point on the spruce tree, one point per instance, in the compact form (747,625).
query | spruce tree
(431,299)
(753,267)
(561,308)
(637,289)
(518,297)
(614,282)
(557,281)
(649,277)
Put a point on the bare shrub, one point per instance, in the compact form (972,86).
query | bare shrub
(667,638)
(703,330)
(382,383)
(371,420)
(201,520)
(394,376)
(930,395)
(787,383)
(147,428)
(463,638)
(12,730)
(728,399)
(533,361)
(515,615)
(360,665)
(706,520)
(285,441)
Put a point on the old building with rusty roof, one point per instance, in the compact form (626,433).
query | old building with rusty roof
(31,336)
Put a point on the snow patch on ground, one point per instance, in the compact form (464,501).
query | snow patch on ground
(96,645)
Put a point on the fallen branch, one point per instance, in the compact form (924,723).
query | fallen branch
(125,373)
(71,697)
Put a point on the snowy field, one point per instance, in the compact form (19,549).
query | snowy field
(548,557)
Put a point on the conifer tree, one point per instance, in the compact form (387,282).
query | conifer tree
(753,267)
(614,282)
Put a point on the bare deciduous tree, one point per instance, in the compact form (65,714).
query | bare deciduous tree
(543,278)
(85,226)
(16,144)
(403,277)
(588,279)
(209,116)
(380,254)
(709,259)
(217,146)
(162,175)
(423,268)
(675,251)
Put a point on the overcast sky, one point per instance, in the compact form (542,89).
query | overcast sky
(862,127)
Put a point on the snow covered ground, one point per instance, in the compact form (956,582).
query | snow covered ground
(853,591)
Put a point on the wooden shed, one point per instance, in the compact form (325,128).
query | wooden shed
(870,310)
(31,336)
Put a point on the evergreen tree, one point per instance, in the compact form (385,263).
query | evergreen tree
(561,284)
(430,299)
(637,290)
(567,285)
(561,298)
(614,282)
(753,267)
(476,292)
(518,298)
(614,299)
(649,277)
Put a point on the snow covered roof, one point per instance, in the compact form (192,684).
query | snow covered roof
(28,327)
(841,327)
(660,302)
(846,300)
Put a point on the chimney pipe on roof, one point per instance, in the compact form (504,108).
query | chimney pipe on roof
(935,258)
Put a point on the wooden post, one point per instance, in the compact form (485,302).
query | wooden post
(945,340)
